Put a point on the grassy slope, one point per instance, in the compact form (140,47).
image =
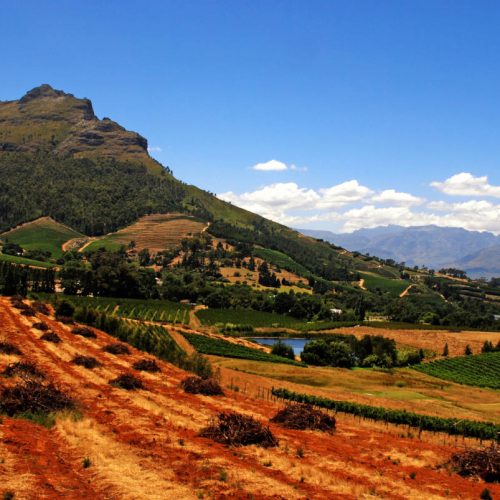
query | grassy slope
(26,262)
(42,234)
(394,286)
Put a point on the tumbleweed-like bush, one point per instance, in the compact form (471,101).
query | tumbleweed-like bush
(84,331)
(23,369)
(303,416)
(116,348)
(40,307)
(128,382)
(40,325)
(483,463)
(198,385)
(51,337)
(33,396)
(146,365)
(8,348)
(234,429)
(86,361)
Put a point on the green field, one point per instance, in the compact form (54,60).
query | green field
(25,262)
(219,347)
(482,370)
(106,242)
(282,260)
(394,286)
(162,311)
(42,234)
(260,319)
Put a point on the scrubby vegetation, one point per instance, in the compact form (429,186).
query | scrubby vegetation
(23,369)
(197,385)
(51,337)
(483,463)
(283,350)
(86,361)
(128,382)
(233,429)
(304,416)
(83,331)
(116,348)
(146,365)
(482,370)
(10,349)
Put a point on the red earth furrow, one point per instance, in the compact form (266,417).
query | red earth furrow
(159,428)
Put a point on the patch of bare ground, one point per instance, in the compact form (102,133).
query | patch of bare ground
(433,340)
(146,444)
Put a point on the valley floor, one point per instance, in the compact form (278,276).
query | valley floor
(145,444)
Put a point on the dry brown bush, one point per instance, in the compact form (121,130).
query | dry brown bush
(40,325)
(51,337)
(146,365)
(23,369)
(235,429)
(40,307)
(198,385)
(303,416)
(116,348)
(33,396)
(67,320)
(128,382)
(86,361)
(484,463)
(84,331)
(8,348)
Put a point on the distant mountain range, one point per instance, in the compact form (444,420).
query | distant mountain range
(476,252)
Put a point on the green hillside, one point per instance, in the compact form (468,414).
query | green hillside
(42,234)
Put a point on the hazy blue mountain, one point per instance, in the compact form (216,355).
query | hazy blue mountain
(431,246)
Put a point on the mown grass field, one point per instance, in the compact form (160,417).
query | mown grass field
(219,347)
(282,260)
(42,234)
(145,310)
(394,286)
(155,232)
(482,370)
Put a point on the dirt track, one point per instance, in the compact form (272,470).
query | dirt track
(144,444)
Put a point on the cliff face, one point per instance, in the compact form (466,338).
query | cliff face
(52,120)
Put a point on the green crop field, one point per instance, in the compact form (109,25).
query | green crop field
(145,310)
(482,370)
(260,319)
(394,286)
(219,347)
(42,234)
(25,262)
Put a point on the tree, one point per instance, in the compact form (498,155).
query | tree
(144,257)
(283,350)
(487,346)
(468,350)
(445,350)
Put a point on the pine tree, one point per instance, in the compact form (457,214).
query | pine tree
(445,350)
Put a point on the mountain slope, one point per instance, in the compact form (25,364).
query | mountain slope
(484,263)
(429,246)
(58,159)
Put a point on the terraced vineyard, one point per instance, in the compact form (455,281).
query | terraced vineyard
(393,286)
(145,310)
(482,370)
(219,347)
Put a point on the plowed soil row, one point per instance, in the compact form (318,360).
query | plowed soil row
(145,444)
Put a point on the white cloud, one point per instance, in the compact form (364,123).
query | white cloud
(154,149)
(350,206)
(398,198)
(465,184)
(271,166)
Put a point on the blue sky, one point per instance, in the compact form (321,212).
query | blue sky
(355,98)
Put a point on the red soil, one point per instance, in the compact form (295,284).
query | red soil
(144,444)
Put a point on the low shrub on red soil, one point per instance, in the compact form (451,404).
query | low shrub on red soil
(198,385)
(8,348)
(483,463)
(86,361)
(23,369)
(128,382)
(146,365)
(116,348)
(51,337)
(303,416)
(234,429)
(84,331)
(40,307)
(40,325)
(33,396)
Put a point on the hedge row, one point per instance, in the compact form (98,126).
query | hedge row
(452,426)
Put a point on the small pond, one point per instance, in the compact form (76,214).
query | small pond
(297,344)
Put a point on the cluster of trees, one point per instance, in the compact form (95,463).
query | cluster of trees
(267,277)
(346,351)
(107,274)
(95,196)
(19,280)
